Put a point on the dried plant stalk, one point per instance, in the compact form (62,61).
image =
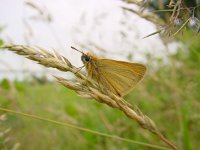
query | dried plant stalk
(85,87)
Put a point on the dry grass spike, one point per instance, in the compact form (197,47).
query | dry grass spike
(85,87)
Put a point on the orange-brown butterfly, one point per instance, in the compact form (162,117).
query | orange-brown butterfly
(119,77)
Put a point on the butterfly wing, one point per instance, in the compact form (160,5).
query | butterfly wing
(118,76)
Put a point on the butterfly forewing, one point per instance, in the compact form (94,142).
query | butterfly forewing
(118,76)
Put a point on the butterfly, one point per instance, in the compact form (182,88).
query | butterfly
(118,77)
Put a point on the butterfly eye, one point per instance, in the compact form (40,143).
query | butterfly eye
(85,58)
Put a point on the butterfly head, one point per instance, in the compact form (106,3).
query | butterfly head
(85,58)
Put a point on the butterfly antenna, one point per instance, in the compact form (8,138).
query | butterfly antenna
(76,49)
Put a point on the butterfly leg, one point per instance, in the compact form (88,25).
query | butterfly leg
(79,69)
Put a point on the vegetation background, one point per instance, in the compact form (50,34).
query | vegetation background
(169,95)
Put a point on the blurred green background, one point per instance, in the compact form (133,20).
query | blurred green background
(169,95)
